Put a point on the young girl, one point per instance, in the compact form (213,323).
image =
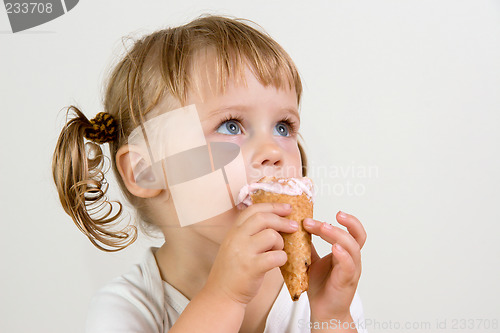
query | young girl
(220,274)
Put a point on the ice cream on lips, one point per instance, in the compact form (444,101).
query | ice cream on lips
(288,186)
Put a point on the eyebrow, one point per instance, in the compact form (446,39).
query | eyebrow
(243,108)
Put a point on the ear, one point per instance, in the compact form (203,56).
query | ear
(128,160)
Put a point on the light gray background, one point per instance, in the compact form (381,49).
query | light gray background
(400,96)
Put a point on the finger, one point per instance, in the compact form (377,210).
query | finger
(354,227)
(280,209)
(270,259)
(268,220)
(319,271)
(332,235)
(318,263)
(345,272)
(315,256)
(266,240)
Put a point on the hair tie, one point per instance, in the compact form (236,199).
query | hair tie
(103,128)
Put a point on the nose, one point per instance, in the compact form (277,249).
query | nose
(267,153)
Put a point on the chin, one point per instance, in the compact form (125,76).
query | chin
(216,228)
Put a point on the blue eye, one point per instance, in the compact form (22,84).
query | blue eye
(230,127)
(281,129)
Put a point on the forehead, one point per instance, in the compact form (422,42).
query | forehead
(211,76)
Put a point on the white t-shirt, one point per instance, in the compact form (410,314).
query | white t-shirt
(140,301)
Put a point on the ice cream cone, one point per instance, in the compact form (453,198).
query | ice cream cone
(297,245)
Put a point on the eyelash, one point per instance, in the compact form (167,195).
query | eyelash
(292,125)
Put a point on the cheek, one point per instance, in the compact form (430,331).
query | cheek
(293,159)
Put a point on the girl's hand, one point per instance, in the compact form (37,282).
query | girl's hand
(333,279)
(251,248)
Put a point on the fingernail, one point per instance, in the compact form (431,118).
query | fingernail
(338,247)
(309,222)
(342,214)
(294,224)
(287,206)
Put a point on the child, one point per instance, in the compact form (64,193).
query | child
(220,274)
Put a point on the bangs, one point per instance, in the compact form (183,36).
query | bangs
(209,51)
(215,67)
(214,51)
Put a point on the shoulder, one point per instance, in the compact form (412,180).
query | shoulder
(132,302)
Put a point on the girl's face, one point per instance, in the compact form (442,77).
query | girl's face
(262,121)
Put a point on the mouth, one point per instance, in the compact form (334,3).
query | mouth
(257,174)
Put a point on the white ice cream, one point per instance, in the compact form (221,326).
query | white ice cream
(288,186)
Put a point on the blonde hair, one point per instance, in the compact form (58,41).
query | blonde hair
(156,67)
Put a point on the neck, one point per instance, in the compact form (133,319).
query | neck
(186,258)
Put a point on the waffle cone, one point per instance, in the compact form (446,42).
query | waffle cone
(296,245)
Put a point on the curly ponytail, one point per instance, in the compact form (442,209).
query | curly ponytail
(79,178)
